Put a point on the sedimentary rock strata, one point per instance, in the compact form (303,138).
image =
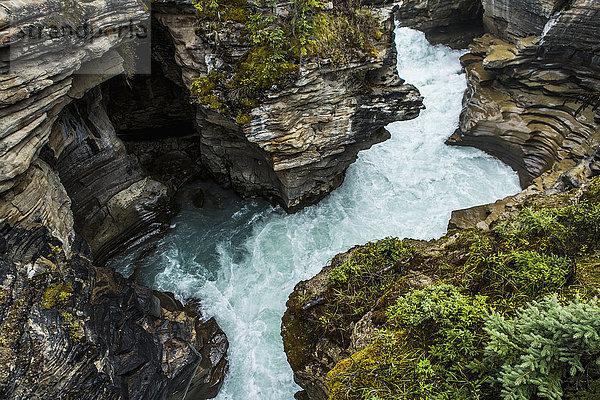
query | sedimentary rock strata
(303,136)
(523,110)
(71,329)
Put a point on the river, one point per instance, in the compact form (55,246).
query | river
(244,257)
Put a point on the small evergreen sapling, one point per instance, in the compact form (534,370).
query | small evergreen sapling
(546,343)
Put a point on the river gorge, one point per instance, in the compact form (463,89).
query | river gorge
(305,199)
(243,257)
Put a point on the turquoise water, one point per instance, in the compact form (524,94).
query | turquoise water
(243,258)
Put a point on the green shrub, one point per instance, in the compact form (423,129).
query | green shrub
(446,320)
(434,336)
(278,45)
(367,260)
(533,353)
(533,274)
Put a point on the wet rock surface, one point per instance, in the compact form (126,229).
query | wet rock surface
(70,193)
(524,110)
(112,199)
(70,329)
(310,352)
(452,23)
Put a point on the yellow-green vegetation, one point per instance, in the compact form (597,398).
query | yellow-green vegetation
(72,325)
(57,295)
(280,37)
(434,334)
(511,314)
(356,285)
(54,251)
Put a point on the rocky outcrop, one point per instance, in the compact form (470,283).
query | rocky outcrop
(453,23)
(302,137)
(335,321)
(112,200)
(45,70)
(568,27)
(69,329)
(524,108)
(526,81)
(310,352)
(322,326)
(515,19)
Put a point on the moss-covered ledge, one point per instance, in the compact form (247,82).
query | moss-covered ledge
(407,319)
(275,40)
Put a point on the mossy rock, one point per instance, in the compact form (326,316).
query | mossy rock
(550,246)
(277,43)
(57,295)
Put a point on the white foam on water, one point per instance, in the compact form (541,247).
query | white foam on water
(244,260)
(550,24)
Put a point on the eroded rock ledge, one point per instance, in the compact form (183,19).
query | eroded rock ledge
(523,83)
(302,137)
(70,329)
(71,194)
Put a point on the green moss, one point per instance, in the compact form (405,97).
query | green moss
(432,339)
(592,194)
(279,44)
(243,118)
(378,370)
(57,295)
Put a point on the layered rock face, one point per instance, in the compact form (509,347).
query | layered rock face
(73,330)
(45,75)
(69,328)
(453,23)
(112,201)
(569,27)
(525,81)
(301,138)
(522,100)
(73,194)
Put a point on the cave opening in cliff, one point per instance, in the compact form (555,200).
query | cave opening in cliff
(148,107)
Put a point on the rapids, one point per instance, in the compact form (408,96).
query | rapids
(243,257)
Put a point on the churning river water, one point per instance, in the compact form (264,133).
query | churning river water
(243,257)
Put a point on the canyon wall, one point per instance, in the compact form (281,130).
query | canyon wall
(527,81)
(302,137)
(70,193)
(91,155)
